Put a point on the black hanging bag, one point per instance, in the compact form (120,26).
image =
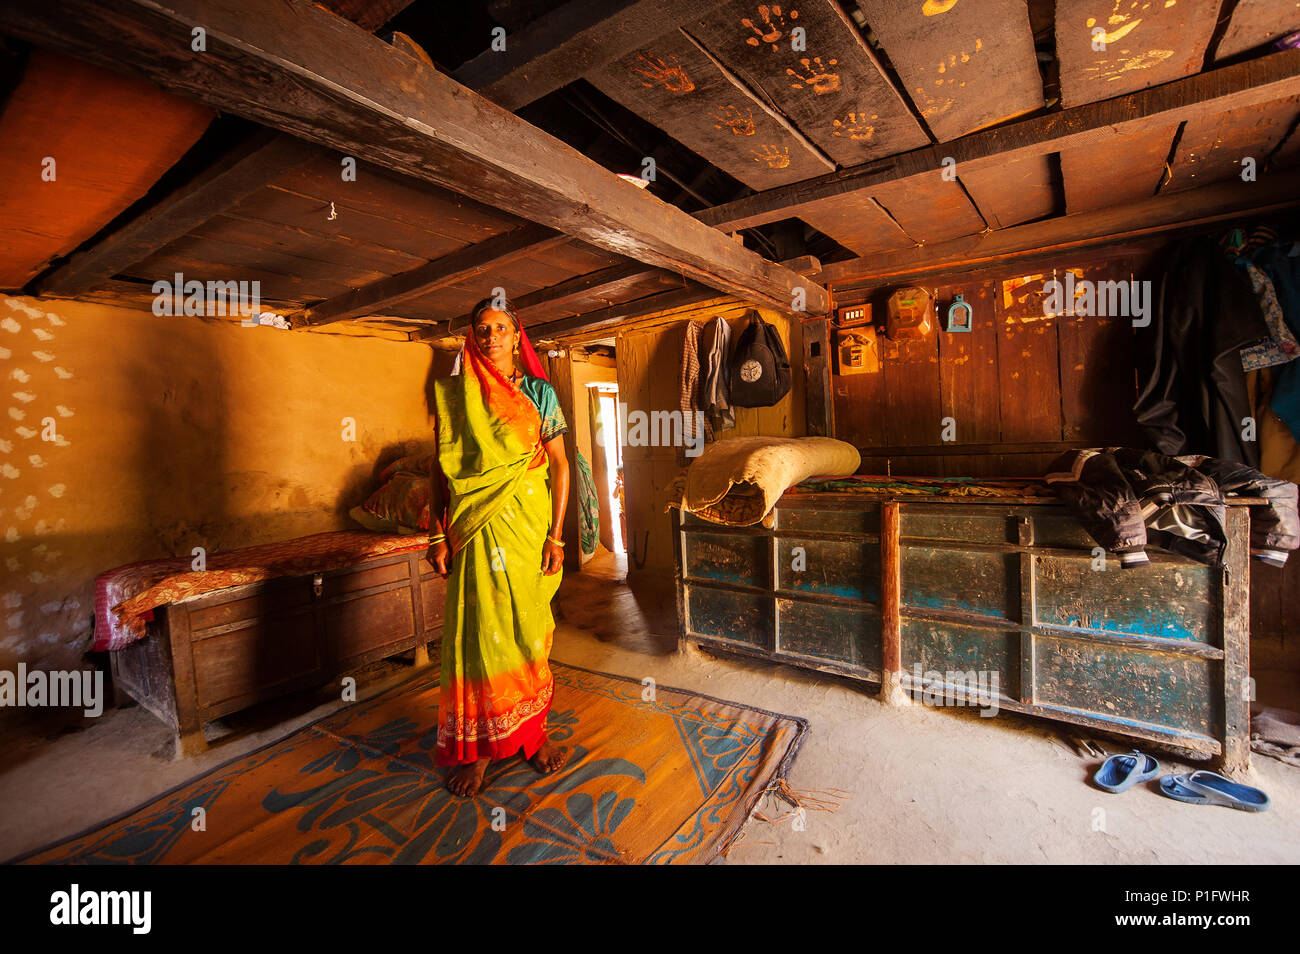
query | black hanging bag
(759,367)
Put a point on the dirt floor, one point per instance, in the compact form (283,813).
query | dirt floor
(880,784)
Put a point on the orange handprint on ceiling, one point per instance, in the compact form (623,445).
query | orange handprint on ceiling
(672,77)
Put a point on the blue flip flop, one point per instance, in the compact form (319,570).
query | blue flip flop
(1119,773)
(1218,790)
(1175,786)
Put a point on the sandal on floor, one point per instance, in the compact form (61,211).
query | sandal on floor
(1119,773)
(1218,790)
(1175,786)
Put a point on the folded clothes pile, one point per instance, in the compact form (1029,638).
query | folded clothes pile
(1128,499)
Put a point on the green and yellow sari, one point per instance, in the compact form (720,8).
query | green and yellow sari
(497,631)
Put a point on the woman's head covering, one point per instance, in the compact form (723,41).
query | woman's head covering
(527,353)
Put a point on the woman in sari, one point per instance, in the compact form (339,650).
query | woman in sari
(497,541)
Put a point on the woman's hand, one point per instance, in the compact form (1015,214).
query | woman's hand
(440,556)
(552,557)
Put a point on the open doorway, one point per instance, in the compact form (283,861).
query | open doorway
(607,463)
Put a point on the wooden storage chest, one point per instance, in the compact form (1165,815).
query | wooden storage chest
(215,654)
(919,594)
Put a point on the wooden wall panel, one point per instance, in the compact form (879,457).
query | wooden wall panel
(1021,387)
(1098,382)
(1211,148)
(1255,23)
(968,369)
(912,406)
(678,88)
(834,90)
(858,223)
(649,379)
(1129,168)
(1028,377)
(965,66)
(1146,42)
(1015,192)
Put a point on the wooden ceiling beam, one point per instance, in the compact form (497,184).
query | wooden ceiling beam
(297,67)
(254,163)
(570,41)
(468,262)
(1065,234)
(1094,125)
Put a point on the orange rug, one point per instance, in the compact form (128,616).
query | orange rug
(655,776)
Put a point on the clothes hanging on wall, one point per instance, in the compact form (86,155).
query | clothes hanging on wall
(1192,394)
(715,384)
(692,412)
(1277,264)
(1280,347)
(1127,499)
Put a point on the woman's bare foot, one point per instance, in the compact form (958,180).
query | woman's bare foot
(467,780)
(549,758)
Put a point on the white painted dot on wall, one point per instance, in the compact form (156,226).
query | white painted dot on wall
(27,397)
(42,356)
(11,326)
(55,319)
(6,446)
(17,413)
(12,600)
(25,432)
(42,334)
(22,306)
(11,563)
(64,411)
(36,460)
(18,374)
(56,490)
(5,352)
(10,471)
(14,620)
(36,576)
(63,373)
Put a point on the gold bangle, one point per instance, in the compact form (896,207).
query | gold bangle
(558,543)
(438,539)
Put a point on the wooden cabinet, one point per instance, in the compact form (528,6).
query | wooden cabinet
(224,651)
(925,595)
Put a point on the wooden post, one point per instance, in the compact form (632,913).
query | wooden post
(561,371)
(819,403)
(891,620)
(1028,611)
(189,725)
(1235,760)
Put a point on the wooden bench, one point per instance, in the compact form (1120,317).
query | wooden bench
(211,655)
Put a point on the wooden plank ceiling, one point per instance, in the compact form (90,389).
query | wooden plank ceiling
(839,116)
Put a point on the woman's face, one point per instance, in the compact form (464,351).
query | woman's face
(496,334)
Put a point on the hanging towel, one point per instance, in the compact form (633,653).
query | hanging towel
(715,392)
(690,388)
